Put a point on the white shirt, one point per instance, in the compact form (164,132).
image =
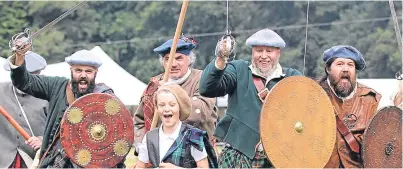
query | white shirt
(165,142)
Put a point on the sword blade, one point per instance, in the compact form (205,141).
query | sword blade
(396,25)
(49,25)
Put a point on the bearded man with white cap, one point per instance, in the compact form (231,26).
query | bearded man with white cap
(247,85)
(29,112)
(60,92)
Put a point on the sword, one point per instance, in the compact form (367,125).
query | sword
(396,25)
(27,37)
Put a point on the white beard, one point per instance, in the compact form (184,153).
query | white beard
(266,73)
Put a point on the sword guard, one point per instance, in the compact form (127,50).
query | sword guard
(229,51)
(26,40)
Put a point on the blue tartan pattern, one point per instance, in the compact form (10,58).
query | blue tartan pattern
(179,153)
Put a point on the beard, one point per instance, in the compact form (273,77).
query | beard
(342,89)
(76,82)
(264,72)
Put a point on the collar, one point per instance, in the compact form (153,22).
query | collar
(172,136)
(342,98)
(278,72)
(180,80)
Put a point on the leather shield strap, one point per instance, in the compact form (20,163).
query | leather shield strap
(344,131)
(262,91)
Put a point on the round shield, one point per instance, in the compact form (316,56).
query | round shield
(298,124)
(97,131)
(382,143)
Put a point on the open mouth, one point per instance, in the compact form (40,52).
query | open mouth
(345,78)
(83,84)
(167,116)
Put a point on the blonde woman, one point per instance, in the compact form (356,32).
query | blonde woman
(175,144)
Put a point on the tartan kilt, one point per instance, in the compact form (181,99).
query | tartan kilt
(231,158)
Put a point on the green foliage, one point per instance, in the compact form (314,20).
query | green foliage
(129,30)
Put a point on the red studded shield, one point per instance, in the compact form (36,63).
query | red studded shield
(382,143)
(97,131)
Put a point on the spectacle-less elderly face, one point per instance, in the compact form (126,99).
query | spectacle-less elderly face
(265,59)
(167,108)
(83,79)
(180,65)
(342,76)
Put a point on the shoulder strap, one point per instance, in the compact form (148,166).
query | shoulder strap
(262,91)
(344,131)
(69,94)
(23,111)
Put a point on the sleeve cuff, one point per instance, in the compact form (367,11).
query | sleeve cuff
(10,62)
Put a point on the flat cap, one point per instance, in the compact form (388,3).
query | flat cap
(33,62)
(182,47)
(347,52)
(266,37)
(84,57)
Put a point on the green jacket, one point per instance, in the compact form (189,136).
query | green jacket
(52,89)
(240,125)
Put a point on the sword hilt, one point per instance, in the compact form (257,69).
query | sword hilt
(229,50)
(25,37)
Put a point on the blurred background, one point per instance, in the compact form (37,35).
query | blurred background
(124,33)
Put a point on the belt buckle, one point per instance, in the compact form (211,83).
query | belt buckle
(262,96)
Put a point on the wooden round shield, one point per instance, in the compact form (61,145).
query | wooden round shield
(298,124)
(97,131)
(382,143)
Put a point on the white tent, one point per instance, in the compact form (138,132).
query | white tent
(386,87)
(127,87)
(4,75)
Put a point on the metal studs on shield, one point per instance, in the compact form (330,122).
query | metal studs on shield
(97,131)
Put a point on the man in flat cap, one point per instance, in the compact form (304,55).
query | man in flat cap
(203,116)
(29,112)
(60,92)
(354,103)
(247,85)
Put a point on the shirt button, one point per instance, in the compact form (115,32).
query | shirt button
(18,137)
(197,111)
(194,98)
(20,115)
